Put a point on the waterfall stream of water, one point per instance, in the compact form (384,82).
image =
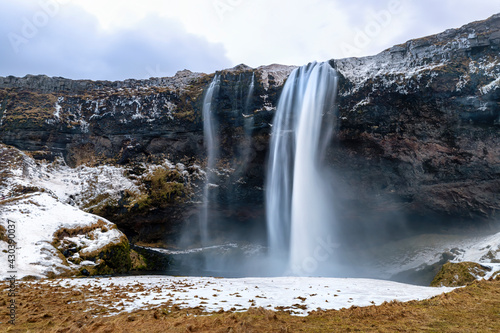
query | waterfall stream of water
(212,147)
(298,210)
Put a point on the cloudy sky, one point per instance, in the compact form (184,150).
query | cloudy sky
(115,40)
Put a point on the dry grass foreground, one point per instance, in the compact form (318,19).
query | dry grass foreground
(43,308)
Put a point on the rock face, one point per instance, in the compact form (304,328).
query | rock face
(419,124)
(417,141)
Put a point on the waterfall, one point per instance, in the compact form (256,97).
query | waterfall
(298,206)
(250,94)
(220,254)
(248,124)
(212,147)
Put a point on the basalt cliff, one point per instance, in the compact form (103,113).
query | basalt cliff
(417,140)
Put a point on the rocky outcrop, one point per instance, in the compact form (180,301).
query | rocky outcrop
(417,137)
(41,236)
(459,274)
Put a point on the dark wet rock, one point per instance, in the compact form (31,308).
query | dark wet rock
(419,125)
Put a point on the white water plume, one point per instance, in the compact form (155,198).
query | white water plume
(299,215)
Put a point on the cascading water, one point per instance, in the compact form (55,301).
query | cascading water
(211,221)
(250,94)
(248,124)
(298,209)
(212,146)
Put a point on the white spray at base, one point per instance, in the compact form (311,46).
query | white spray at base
(298,206)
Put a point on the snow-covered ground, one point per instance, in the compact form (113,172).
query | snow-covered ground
(298,295)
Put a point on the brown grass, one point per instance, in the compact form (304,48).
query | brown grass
(3,234)
(71,232)
(458,274)
(42,308)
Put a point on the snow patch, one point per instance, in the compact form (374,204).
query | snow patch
(491,86)
(462,82)
(80,186)
(386,70)
(300,296)
(57,112)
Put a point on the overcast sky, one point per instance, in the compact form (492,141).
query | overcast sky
(115,40)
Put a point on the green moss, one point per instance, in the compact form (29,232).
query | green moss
(167,192)
(165,187)
(138,261)
(458,274)
(112,259)
(152,260)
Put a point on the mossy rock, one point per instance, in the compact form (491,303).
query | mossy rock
(138,261)
(458,274)
(165,188)
(112,259)
(153,260)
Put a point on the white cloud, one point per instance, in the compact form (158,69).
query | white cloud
(258,32)
(73,44)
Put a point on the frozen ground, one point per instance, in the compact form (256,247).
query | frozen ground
(295,294)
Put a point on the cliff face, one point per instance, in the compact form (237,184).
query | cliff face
(90,121)
(142,125)
(420,123)
(418,130)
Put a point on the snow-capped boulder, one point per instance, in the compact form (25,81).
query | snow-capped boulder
(41,236)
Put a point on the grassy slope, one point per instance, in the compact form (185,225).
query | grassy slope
(475,308)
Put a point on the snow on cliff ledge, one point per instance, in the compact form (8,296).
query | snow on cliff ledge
(52,238)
